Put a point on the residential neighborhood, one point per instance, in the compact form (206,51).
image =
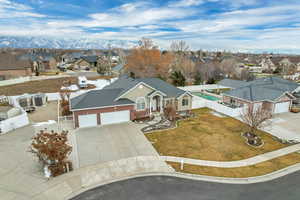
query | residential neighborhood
(131,100)
(168,124)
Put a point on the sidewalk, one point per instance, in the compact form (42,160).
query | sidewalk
(240,163)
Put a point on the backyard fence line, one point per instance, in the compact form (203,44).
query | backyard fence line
(14,123)
(29,78)
(199,102)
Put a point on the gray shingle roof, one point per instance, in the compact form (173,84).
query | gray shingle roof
(90,59)
(98,98)
(270,88)
(232,83)
(126,83)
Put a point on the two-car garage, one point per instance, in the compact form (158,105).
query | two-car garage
(103,118)
(101,107)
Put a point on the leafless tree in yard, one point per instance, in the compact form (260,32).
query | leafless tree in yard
(256,117)
(52,150)
(179,47)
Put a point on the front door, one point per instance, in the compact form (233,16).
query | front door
(155,103)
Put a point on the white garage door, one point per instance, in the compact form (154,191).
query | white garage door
(87,120)
(282,107)
(115,117)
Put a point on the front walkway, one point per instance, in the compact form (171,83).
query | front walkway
(239,163)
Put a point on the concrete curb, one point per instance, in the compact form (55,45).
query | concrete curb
(83,179)
(222,180)
(239,163)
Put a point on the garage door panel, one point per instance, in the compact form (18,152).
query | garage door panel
(87,120)
(115,117)
(282,107)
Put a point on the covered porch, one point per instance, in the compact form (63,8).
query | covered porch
(156,102)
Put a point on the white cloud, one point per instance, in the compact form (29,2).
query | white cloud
(10,9)
(239,29)
(186,3)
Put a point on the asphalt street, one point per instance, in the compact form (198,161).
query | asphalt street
(167,188)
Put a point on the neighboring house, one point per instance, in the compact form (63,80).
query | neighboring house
(85,62)
(45,64)
(267,64)
(70,57)
(127,99)
(118,70)
(272,93)
(12,67)
(42,61)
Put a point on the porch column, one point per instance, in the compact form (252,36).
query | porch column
(161,104)
(150,109)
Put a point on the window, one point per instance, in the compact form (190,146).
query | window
(185,102)
(140,103)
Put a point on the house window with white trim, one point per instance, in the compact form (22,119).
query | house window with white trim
(141,103)
(185,102)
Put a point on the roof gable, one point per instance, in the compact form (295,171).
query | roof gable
(127,83)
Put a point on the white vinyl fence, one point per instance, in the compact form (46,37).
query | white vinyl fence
(29,78)
(199,102)
(14,123)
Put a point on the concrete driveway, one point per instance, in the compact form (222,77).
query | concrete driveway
(111,142)
(285,126)
(21,174)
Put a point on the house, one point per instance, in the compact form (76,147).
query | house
(272,93)
(13,67)
(127,99)
(86,62)
(45,63)
(70,57)
(267,64)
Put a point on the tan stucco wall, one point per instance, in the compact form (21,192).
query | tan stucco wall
(139,92)
(182,108)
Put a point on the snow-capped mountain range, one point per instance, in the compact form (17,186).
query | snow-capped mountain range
(62,43)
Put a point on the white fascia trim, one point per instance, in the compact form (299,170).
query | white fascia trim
(102,107)
(186,92)
(286,93)
(134,88)
(268,100)
(157,91)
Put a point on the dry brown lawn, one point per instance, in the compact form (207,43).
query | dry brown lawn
(209,137)
(43,86)
(241,172)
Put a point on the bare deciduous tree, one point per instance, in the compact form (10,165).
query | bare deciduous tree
(179,47)
(256,117)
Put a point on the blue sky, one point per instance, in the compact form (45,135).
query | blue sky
(244,25)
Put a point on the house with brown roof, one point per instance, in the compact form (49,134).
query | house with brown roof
(13,67)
